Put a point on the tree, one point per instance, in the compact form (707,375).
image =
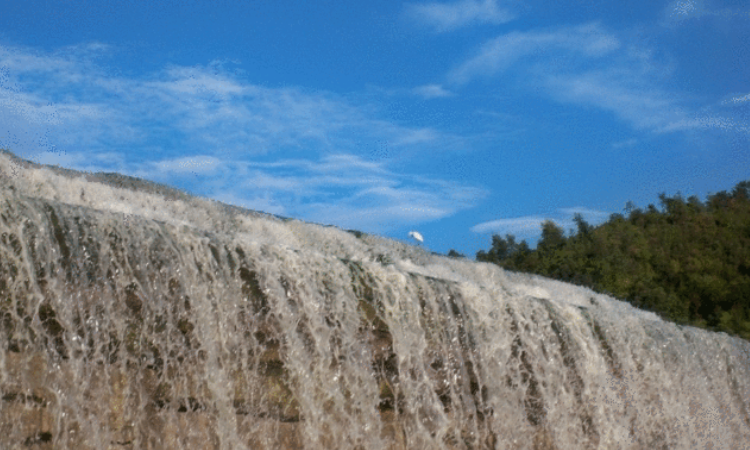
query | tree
(454,254)
(502,249)
(741,191)
(687,262)
(719,200)
(583,227)
(552,237)
(695,204)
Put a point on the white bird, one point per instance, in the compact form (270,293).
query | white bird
(416,236)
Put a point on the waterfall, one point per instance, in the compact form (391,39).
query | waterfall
(133,316)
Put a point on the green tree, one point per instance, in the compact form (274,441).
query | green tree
(552,237)
(454,254)
(583,228)
(688,262)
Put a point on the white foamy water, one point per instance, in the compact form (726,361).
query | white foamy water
(150,319)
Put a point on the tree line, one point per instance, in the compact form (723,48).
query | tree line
(689,262)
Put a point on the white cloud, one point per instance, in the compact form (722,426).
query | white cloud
(738,100)
(200,164)
(590,215)
(626,143)
(189,106)
(443,17)
(720,123)
(588,66)
(519,226)
(432,91)
(619,92)
(530,227)
(679,12)
(502,52)
(213,131)
(683,8)
(417,136)
(348,191)
(340,189)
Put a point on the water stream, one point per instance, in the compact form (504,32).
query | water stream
(137,317)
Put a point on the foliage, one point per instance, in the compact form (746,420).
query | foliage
(454,254)
(689,262)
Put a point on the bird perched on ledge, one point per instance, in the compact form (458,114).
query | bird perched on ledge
(416,236)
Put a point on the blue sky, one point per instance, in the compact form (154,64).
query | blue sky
(459,119)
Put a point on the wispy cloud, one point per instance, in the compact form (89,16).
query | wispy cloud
(720,123)
(683,8)
(620,92)
(590,215)
(518,226)
(282,150)
(627,90)
(626,143)
(530,227)
(679,12)
(345,190)
(738,100)
(502,52)
(198,106)
(589,66)
(432,91)
(203,164)
(443,17)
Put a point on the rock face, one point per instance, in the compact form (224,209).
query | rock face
(133,316)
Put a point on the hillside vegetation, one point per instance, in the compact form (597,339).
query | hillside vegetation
(688,262)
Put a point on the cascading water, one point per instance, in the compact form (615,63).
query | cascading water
(136,317)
